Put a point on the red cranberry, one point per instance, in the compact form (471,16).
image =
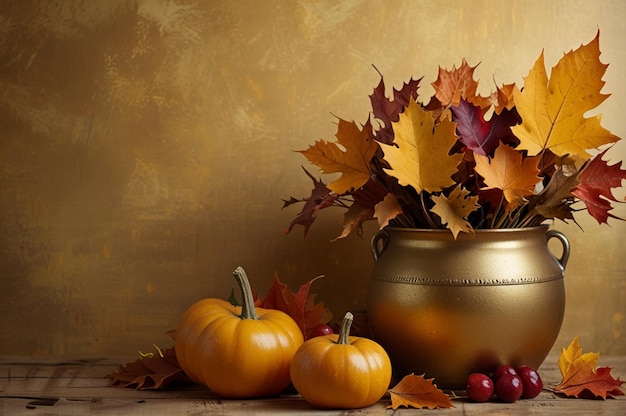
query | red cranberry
(531,382)
(509,388)
(320,330)
(479,387)
(502,370)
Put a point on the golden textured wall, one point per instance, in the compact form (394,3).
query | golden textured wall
(145,147)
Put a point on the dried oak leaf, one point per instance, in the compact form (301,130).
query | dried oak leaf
(581,378)
(301,305)
(150,372)
(418,392)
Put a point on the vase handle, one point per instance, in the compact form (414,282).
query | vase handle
(381,237)
(564,242)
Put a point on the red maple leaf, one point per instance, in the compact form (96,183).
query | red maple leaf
(596,182)
(482,136)
(387,110)
(301,305)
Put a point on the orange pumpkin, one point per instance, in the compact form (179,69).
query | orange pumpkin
(341,372)
(237,352)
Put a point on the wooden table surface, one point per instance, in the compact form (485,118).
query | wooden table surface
(54,386)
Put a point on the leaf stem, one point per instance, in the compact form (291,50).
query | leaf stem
(344,331)
(248,311)
(431,223)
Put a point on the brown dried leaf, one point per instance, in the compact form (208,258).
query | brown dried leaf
(150,372)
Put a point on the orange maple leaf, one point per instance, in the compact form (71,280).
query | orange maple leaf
(418,392)
(387,209)
(353,163)
(581,378)
(459,83)
(454,209)
(553,110)
(507,170)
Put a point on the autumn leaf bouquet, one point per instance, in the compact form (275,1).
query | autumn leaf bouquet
(463,161)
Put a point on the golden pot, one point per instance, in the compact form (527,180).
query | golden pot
(447,308)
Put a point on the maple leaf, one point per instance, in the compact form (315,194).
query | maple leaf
(455,209)
(387,110)
(150,372)
(581,378)
(300,305)
(418,392)
(552,111)
(353,163)
(596,181)
(421,158)
(451,86)
(386,210)
(321,197)
(509,171)
(479,135)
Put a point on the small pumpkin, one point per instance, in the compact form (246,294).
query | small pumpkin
(341,372)
(237,352)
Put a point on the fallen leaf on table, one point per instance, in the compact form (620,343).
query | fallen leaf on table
(150,372)
(581,378)
(417,392)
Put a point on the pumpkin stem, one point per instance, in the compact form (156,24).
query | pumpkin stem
(344,332)
(248,311)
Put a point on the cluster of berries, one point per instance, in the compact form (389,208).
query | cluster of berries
(507,383)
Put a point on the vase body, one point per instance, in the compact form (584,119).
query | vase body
(448,307)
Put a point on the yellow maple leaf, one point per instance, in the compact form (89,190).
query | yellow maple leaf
(573,354)
(507,170)
(353,163)
(552,111)
(421,157)
(454,209)
(418,392)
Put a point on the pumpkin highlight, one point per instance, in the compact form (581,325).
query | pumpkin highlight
(340,371)
(237,352)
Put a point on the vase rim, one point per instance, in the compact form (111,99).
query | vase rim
(477,231)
